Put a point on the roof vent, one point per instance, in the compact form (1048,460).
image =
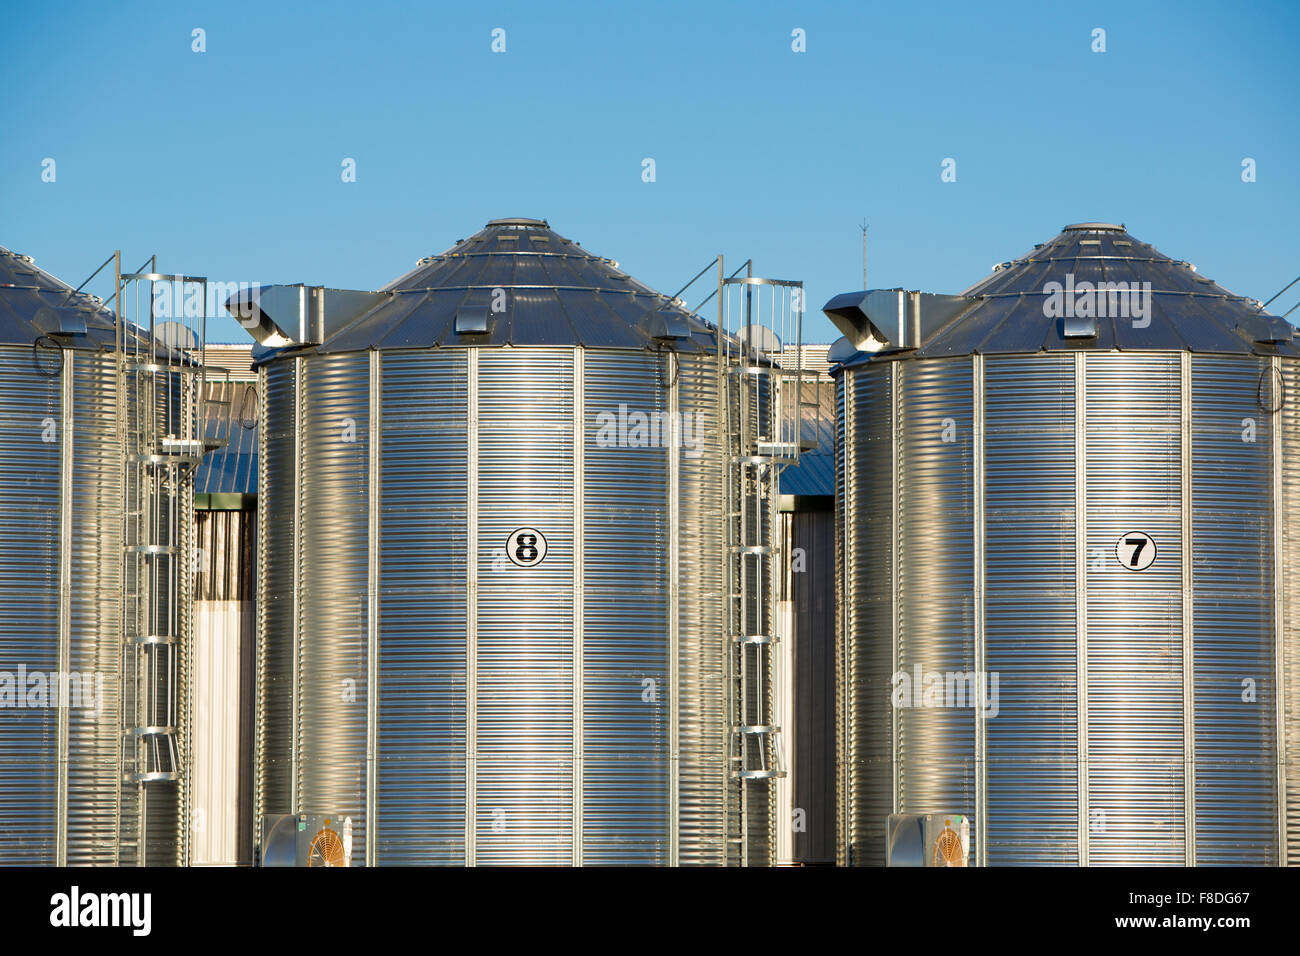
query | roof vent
(471,321)
(1079,327)
(664,327)
(1269,329)
(59,321)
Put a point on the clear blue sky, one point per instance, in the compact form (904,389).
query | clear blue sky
(227,163)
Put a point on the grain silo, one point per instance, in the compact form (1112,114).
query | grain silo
(97,442)
(1069,582)
(493,550)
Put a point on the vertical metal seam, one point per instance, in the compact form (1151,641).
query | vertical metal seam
(674,616)
(471,609)
(295,722)
(372,615)
(1188,610)
(981,677)
(120,432)
(1280,564)
(65,606)
(1081,593)
(259,648)
(844,676)
(896,401)
(579,464)
(730,783)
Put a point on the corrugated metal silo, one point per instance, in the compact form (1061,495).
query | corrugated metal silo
(1072,483)
(491,564)
(82,781)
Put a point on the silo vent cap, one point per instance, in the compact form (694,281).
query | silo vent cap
(1095,227)
(519,222)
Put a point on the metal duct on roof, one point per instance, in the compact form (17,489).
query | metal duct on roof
(893,318)
(283,315)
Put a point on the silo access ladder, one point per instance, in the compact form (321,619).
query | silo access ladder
(761,323)
(160,342)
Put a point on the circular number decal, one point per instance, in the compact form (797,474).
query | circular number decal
(1136,551)
(526,547)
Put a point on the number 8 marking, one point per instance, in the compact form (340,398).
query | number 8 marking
(526,547)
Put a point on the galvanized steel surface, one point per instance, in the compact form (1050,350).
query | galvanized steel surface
(95,583)
(1178,720)
(29,603)
(704,786)
(1029,600)
(1134,630)
(61,568)
(277,598)
(330,720)
(504,730)
(35,304)
(1188,311)
(1287,656)
(936,745)
(866,643)
(1233,574)
(529,286)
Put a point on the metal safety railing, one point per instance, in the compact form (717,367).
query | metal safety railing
(762,405)
(160,376)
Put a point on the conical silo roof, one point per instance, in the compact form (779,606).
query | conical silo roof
(532,287)
(1011,312)
(34,303)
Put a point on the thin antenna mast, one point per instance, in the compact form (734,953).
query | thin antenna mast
(864,227)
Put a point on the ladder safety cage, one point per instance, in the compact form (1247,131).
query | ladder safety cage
(160,341)
(762,381)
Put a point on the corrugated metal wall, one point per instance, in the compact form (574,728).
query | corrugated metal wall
(706,793)
(1029,629)
(525,680)
(625,678)
(936,585)
(332,582)
(62,474)
(1288,659)
(1232,577)
(865,476)
(95,617)
(31,433)
(1179,656)
(421,771)
(557,679)
(1134,647)
(277,516)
